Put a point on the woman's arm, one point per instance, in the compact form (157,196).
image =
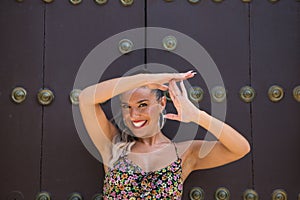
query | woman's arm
(101,130)
(230,146)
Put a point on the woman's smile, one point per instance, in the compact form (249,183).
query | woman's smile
(139,123)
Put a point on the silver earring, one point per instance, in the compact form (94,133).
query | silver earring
(162,119)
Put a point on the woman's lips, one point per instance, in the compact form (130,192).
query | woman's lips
(139,123)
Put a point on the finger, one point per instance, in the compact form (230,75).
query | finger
(183,89)
(176,91)
(163,87)
(171,116)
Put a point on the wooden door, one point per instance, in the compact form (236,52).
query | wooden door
(43,46)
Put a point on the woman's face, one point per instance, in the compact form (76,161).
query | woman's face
(141,111)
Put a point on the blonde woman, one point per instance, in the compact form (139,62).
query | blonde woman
(140,162)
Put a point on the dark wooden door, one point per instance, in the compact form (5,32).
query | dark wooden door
(43,45)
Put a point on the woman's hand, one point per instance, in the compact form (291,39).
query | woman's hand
(186,110)
(157,81)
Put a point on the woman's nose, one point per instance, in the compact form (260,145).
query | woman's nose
(134,112)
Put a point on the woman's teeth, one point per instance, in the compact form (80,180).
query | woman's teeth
(139,123)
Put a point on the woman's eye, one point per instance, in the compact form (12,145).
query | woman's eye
(143,105)
(125,106)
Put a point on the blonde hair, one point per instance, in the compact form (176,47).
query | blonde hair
(122,142)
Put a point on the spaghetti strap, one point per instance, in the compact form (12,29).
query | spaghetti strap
(176,150)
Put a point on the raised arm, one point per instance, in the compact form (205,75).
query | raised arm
(231,145)
(100,129)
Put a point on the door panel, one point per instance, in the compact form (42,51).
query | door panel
(275,60)
(21,65)
(222,29)
(71,33)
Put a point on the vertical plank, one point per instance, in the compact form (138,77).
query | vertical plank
(71,33)
(223,30)
(21,50)
(275,48)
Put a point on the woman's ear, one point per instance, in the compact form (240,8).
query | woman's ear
(163,102)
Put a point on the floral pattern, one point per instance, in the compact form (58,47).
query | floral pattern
(127,180)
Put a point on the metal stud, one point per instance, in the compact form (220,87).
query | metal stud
(48,1)
(169,43)
(250,195)
(194,1)
(273,1)
(196,94)
(279,195)
(18,94)
(126,2)
(75,2)
(100,2)
(296,93)
(125,46)
(275,93)
(222,194)
(74,94)
(75,196)
(97,197)
(218,94)
(197,193)
(45,96)
(168,0)
(246,1)
(247,94)
(43,196)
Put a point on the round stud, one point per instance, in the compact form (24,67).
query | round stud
(45,96)
(75,196)
(247,94)
(296,93)
(246,1)
(97,197)
(196,94)
(218,94)
(43,196)
(168,0)
(273,1)
(48,1)
(75,2)
(74,94)
(279,195)
(101,2)
(18,94)
(197,193)
(275,93)
(125,46)
(194,1)
(222,194)
(169,43)
(126,2)
(250,195)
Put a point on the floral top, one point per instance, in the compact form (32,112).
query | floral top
(127,180)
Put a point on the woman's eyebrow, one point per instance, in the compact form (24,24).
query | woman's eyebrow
(140,101)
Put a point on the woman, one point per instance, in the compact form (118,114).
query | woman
(140,162)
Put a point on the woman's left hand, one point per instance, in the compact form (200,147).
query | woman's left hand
(186,110)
